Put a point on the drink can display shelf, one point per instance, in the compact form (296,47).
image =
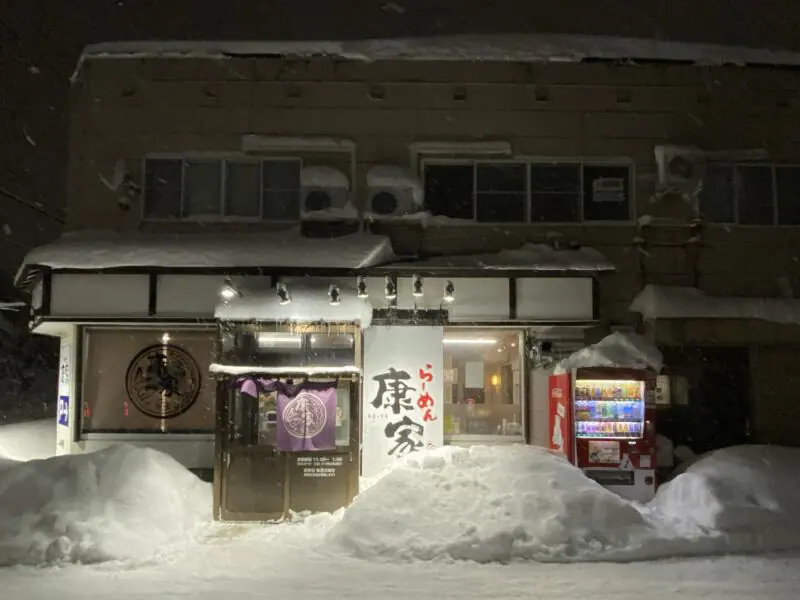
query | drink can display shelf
(607,436)
(606,420)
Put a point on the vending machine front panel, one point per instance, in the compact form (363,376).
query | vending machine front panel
(609,409)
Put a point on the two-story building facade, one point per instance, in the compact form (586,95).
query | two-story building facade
(542,195)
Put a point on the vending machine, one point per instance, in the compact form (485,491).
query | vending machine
(603,421)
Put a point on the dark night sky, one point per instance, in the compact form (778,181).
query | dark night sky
(40,41)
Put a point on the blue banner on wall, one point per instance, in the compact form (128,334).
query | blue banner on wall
(63,410)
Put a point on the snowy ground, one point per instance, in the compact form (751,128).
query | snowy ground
(144,524)
(263,568)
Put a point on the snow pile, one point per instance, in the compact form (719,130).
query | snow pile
(123,503)
(500,504)
(738,499)
(620,349)
(34,440)
(392,177)
(320,176)
(676,302)
(486,504)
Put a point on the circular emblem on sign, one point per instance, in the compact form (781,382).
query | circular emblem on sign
(163,381)
(304,416)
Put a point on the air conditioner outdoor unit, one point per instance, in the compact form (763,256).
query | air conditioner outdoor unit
(325,192)
(680,169)
(393,192)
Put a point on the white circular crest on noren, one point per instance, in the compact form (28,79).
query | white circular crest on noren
(305,415)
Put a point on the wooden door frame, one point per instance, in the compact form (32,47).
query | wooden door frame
(221,449)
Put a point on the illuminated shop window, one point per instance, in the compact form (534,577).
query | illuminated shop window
(483,391)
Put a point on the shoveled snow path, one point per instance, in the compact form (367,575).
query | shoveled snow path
(278,564)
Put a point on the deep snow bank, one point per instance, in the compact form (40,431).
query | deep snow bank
(498,504)
(738,499)
(486,504)
(33,440)
(122,503)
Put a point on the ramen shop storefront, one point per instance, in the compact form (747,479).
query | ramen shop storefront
(354,373)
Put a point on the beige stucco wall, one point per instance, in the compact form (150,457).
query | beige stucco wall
(126,108)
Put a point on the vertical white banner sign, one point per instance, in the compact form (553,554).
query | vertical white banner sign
(402,408)
(65,409)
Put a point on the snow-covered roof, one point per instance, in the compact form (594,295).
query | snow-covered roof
(620,349)
(104,250)
(676,302)
(529,257)
(310,303)
(490,47)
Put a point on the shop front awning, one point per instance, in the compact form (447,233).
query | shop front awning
(288,249)
(656,302)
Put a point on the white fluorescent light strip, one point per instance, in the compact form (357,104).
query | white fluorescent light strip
(266,339)
(242,370)
(470,341)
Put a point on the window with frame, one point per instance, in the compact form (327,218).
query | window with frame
(483,392)
(524,191)
(121,389)
(752,194)
(213,188)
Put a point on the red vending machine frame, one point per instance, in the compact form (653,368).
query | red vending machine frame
(611,427)
(561,428)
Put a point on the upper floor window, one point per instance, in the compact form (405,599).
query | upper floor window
(203,188)
(522,192)
(751,194)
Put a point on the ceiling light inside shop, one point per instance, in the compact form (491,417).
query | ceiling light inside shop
(470,341)
(265,340)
